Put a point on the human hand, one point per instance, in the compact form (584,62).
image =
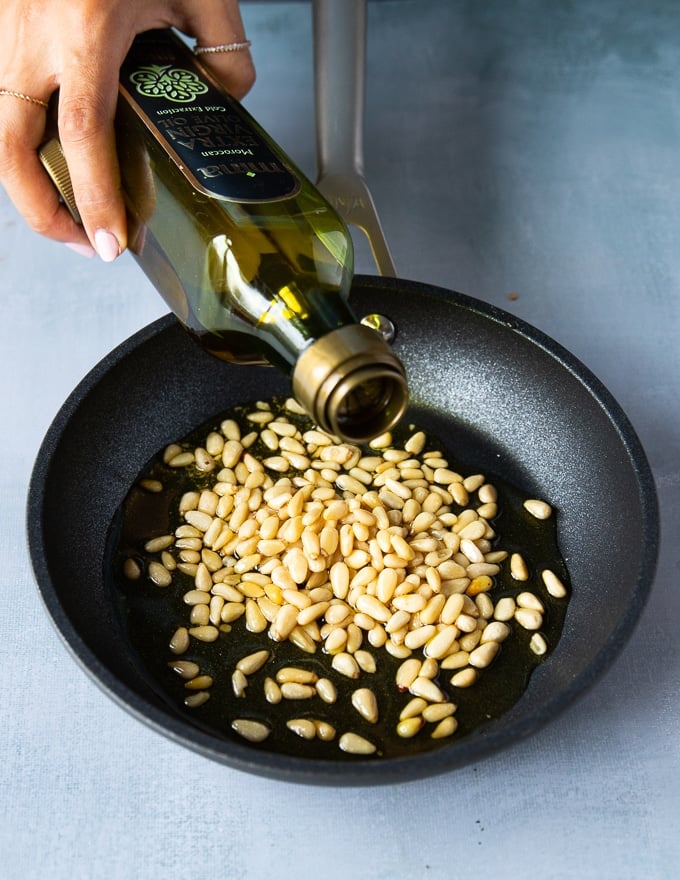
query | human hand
(78,47)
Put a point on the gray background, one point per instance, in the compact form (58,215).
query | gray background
(512,147)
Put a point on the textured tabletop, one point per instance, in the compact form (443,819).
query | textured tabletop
(513,148)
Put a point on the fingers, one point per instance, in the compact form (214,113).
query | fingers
(219,22)
(22,131)
(87,103)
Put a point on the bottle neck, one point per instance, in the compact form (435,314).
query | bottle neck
(352,383)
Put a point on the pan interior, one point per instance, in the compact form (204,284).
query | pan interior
(507,401)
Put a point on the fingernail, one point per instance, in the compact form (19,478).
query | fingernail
(107,245)
(85,250)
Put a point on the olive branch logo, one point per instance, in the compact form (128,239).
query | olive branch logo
(172,83)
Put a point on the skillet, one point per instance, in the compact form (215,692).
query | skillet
(509,401)
(506,398)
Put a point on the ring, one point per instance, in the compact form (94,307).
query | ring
(24,97)
(223,47)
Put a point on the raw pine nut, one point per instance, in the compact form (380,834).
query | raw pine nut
(439,646)
(495,632)
(354,744)
(284,623)
(131,569)
(292,690)
(324,730)
(159,574)
(179,643)
(538,509)
(239,683)
(185,668)
(529,618)
(505,608)
(253,731)
(303,727)
(435,712)
(326,690)
(272,692)
(193,701)
(155,545)
(518,567)
(553,584)
(199,683)
(529,600)
(407,673)
(446,727)
(196,597)
(366,704)
(538,644)
(410,727)
(427,689)
(414,707)
(204,633)
(345,664)
(483,656)
(465,678)
(296,674)
(252,663)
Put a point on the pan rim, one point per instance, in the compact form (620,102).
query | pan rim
(369,771)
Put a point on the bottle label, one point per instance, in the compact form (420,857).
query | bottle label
(211,138)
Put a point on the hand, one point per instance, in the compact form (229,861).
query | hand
(78,47)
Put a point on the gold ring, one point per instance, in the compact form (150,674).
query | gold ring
(223,47)
(23,97)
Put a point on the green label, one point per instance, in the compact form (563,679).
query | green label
(209,135)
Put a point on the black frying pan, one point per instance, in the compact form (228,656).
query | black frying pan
(507,399)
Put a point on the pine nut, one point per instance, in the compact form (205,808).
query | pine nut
(483,656)
(553,584)
(446,727)
(292,690)
(252,663)
(193,701)
(253,731)
(465,678)
(303,727)
(529,600)
(435,712)
(326,690)
(529,618)
(410,727)
(346,665)
(366,704)
(354,744)
(427,689)
(159,574)
(518,567)
(537,508)
(538,644)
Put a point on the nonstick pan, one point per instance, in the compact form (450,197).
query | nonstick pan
(507,400)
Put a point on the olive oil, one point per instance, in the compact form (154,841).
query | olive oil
(247,253)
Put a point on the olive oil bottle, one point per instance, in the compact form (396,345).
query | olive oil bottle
(247,253)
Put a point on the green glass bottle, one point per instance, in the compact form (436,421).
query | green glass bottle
(244,249)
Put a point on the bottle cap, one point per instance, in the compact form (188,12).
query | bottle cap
(54,162)
(351,383)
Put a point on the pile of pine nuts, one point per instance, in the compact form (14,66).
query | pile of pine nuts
(335,548)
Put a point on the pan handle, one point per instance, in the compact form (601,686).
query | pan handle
(339,85)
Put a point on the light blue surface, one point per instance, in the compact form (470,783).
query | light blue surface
(523,147)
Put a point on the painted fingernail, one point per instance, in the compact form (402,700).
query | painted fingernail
(85,250)
(107,245)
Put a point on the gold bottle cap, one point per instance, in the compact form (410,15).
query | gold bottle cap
(54,162)
(352,383)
